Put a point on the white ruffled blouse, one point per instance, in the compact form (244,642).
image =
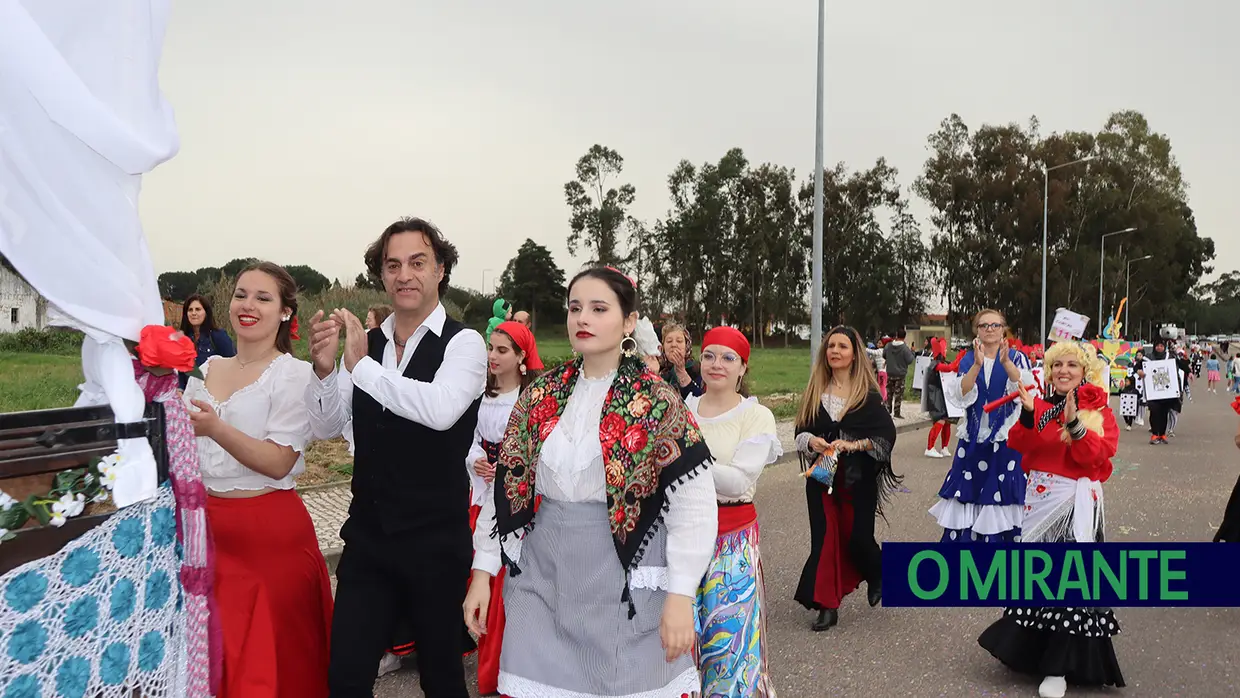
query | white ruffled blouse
(743,441)
(271,408)
(570,469)
(493,416)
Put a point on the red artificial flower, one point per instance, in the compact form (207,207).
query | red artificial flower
(292,329)
(160,346)
(634,439)
(1235,404)
(610,430)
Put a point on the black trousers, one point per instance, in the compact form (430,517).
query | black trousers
(389,584)
(1158,416)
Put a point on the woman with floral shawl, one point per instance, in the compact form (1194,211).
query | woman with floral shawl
(1067,442)
(599,597)
(842,417)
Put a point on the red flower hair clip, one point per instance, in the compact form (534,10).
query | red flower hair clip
(292,329)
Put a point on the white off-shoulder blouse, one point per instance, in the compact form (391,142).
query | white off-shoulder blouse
(271,408)
(493,416)
(963,401)
(570,469)
(743,441)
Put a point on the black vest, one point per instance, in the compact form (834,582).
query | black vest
(406,475)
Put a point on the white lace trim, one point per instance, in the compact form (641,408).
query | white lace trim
(653,578)
(520,687)
(986,520)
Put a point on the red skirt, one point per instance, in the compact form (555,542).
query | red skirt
(829,574)
(273,595)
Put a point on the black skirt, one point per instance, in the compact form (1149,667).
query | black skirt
(1074,643)
(1036,641)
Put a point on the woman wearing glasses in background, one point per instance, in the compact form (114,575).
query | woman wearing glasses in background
(984,491)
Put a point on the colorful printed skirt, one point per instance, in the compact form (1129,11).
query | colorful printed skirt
(983,494)
(731,614)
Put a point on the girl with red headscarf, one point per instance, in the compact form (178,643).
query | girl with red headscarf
(512,364)
(731,602)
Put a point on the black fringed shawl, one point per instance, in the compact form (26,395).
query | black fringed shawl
(650,444)
(869,420)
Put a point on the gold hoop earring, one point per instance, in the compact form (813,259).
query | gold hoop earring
(628,345)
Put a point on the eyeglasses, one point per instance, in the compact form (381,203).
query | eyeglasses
(991,326)
(727,357)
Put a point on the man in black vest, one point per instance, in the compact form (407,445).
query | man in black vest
(412,387)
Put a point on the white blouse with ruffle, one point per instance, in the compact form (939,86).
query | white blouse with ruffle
(271,408)
(743,441)
(570,469)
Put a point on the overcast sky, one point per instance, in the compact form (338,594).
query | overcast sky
(308,126)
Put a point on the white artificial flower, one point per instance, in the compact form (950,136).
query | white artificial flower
(6,502)
(110,461)
(58,519)
(69,505)
(101,496)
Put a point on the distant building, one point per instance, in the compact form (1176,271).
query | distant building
(21,307)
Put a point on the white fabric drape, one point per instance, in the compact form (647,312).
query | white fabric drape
(81,119)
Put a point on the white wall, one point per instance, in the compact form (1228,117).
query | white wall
(16,294)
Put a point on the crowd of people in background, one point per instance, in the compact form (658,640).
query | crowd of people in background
(639,459)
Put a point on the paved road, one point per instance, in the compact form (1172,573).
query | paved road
(1174,492)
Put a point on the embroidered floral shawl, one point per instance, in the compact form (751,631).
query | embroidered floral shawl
(650,443)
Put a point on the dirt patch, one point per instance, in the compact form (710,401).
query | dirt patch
(326,462)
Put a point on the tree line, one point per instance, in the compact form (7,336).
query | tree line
(735,245)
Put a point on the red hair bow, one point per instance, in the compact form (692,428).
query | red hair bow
(631,279)
(292,329)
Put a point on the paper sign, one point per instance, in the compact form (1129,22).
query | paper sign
(1067,326)
(1162,380)
(953,412)
(919,372)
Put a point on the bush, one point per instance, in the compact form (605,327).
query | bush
(50,341)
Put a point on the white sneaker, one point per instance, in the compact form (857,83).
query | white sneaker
(947,452)
(1127,427)
(931,453)
(388,664)
(1053,687)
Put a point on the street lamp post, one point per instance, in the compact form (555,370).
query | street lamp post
(815,304)
(1102,272)
(1127,283)
(1046,192)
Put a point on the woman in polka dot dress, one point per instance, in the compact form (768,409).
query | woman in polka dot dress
(1067,442)
(981,497)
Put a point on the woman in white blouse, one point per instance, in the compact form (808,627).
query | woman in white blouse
(599,598)
(272,590)
(732,647)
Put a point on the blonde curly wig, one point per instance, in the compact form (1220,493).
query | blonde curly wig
(1095,373)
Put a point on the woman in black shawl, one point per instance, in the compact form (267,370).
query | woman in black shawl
(842,413)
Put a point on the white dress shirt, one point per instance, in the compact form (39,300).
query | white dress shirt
(570,469)
(743,441)
(458,381)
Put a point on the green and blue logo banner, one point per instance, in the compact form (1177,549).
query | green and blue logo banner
(1061,574)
